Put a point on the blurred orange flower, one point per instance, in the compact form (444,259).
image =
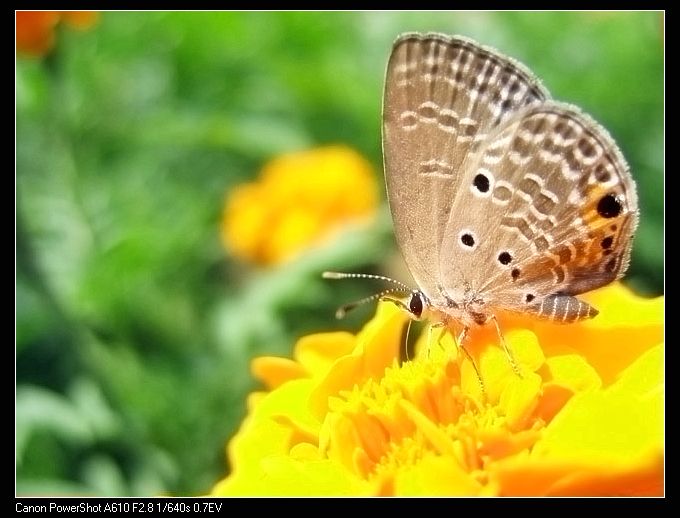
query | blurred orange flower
(299,200)
(343,417)
(35,29)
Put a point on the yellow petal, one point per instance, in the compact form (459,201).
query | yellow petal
(519,476)
(293,231)
(626,327)
(619,306)
(377,346)
(317,352)
(273,371)
(525,349)
(519,399)
(268,431)
(564,376)
(300,200)
(573,372)
(616,423)
(283,475)
(435,476)
(602,442)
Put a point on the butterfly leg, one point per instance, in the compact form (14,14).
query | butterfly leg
(508,352)
(439,325)
(462,336)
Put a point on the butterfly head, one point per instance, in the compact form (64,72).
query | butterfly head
(414,302)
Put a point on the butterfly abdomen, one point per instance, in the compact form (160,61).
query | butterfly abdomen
(563,309)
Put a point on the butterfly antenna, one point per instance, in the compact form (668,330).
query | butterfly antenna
(346,308)
(341,275)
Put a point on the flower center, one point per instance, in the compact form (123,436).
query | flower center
(417,410)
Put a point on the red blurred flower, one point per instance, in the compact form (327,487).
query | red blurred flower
(35,34)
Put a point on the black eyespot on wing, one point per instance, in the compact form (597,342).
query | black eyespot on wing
(515,274)
(529,297)
(504,258)
(609,206)
(467,240)
(481,183)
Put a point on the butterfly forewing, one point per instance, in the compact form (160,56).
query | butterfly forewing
(443,95)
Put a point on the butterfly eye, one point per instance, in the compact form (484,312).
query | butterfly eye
(415,305)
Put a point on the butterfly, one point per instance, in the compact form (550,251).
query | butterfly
(502,198)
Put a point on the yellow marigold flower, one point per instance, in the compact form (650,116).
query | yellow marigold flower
(299,200)
(344,418)
(35,29)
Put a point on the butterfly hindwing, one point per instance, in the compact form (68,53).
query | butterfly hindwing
(556,215)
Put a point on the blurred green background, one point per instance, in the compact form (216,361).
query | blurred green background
(134,328)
